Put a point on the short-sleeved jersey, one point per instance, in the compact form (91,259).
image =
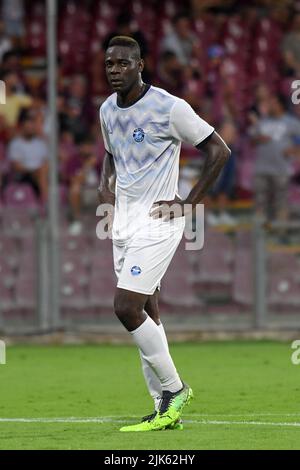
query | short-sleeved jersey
(145,140)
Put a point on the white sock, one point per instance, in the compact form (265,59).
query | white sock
(163,334)
(151,379)
(149,340)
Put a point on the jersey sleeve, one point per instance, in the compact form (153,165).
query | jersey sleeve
(104,133)
(186,125)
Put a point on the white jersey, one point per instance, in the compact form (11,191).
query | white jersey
(145,140)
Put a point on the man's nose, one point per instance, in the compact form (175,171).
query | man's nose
(115,69)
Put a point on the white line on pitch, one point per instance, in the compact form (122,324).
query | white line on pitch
(106,419)
(226,415)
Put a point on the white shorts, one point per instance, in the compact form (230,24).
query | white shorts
(141,263)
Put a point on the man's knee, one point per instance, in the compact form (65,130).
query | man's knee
(129,309)
(124,309)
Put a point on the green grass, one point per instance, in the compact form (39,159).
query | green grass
(231,381)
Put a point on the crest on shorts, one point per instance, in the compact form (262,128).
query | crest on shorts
(138,134)
(135,270)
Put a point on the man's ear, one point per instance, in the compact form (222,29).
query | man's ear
(141,65)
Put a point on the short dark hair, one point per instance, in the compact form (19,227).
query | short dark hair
(11,53)
(6,73)
(25,115)
(124,18)
(126,41)
(181,15)
(167,55)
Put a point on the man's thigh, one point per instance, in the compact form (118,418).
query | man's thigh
(142,264)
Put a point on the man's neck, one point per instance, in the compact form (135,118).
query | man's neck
(132,95)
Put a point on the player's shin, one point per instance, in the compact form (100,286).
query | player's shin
(149,340)
(151,379)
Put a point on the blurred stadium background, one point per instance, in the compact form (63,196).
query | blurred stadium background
(230,60)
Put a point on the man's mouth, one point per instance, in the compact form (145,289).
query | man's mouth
(116,81)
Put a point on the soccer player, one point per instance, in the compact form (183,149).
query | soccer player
(143,127)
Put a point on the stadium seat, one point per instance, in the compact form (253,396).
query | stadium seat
(17,221)
(78,245)
(28,265)
(243,285)
(20,195)
(283,291)
(214,267)
(6,269)
(177,290)
(283,281)
(102,262)
(8,246)
(73,294)
(72,263)
(280,262)
(26,294)
(102,290)
(6,294)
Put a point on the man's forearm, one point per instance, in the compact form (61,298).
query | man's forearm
(217,154)
(108,173)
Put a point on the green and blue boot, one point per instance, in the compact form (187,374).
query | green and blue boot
(169,414)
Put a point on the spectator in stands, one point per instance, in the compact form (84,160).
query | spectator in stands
(13,13)
(12,62)
(28,156)
(260,107)
(273,136)
(291,49)
(83,174)
(43,117)
(181,41)
(15,100)
(80,110)
(5,41)
(193,89)
(170,73)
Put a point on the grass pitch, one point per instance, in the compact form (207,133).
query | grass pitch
(77,397)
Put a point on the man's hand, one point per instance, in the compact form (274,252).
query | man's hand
(105,196)
(168,210)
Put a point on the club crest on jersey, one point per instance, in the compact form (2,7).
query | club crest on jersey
(135,270)
(138,134)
